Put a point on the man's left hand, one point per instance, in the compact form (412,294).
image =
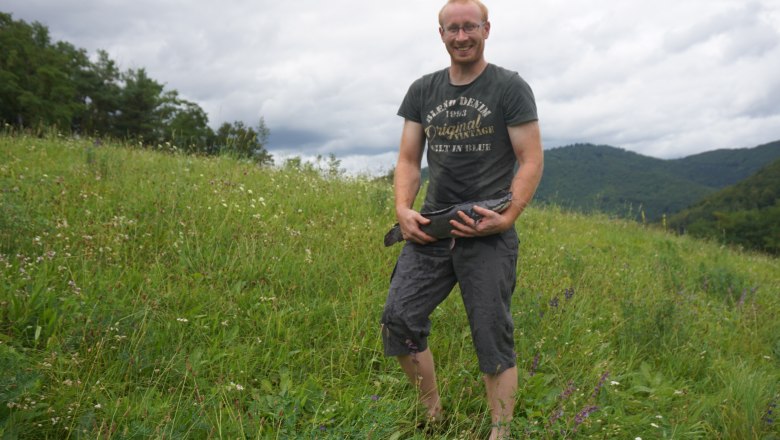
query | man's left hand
(491,223)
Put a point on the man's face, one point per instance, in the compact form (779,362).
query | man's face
(464,47)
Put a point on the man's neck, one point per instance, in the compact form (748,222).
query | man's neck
(462,74)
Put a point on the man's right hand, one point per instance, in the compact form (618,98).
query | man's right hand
(410,221)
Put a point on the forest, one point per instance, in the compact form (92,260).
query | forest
(46,84)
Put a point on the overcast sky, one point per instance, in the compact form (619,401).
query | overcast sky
(666,78)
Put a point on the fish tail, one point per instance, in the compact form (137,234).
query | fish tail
(394,235)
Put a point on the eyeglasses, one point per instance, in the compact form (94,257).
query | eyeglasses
(468,28)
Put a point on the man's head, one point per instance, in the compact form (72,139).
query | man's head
(482,9)
(464,27)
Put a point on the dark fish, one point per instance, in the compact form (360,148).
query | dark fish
(440,226)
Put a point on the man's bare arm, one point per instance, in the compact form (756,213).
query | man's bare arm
(406,183)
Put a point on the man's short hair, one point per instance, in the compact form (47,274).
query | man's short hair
(479,4)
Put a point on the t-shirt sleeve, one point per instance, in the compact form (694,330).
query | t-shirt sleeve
(411,106)
(518,101)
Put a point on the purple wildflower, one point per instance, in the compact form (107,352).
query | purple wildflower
(568,293)
(582,415)
(769,415)
(554,302)
(534,365)
(556,415)
(570,388)
(600,384)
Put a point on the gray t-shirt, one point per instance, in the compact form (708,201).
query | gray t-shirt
(470,156)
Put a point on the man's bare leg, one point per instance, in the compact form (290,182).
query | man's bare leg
(420,370)
(501,392)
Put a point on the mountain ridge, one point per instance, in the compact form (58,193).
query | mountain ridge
(590,177)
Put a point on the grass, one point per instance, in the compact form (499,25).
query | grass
(149,294)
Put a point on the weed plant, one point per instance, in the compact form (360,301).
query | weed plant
(156,295)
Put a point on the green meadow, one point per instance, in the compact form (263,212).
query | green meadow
(152,294)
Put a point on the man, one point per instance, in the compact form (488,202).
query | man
(478,119)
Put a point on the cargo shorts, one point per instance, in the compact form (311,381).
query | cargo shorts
(424,275)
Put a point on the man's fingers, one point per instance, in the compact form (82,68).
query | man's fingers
(466,220)
(423,220)
(484,212)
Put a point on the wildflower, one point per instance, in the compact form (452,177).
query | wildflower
(76,289)
(654,425)
(568,293)
(570,388)
(182,319)
(614,382)
(556,415)
(600,384)
(374,397)
(98,406)
(554,302)
(769,415)
(582,415)
(534,365)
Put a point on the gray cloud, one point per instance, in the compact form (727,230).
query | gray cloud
(665,78)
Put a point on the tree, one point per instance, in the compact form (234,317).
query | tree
(138,117)
(36,85)
(186,124)
(243,141)
(99,90)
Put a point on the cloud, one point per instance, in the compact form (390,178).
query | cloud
(665,78)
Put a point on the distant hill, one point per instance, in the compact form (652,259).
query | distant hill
(603,178)
(721,168)
(746,214)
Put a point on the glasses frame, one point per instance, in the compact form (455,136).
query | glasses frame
(455,30)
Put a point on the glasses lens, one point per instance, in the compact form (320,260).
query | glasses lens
(467,28)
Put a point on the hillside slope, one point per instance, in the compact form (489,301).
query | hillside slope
(746,214)
(153,295)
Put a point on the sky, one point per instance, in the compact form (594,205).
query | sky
(667,78)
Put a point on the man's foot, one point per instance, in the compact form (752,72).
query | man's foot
(433,421)
(500,431)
